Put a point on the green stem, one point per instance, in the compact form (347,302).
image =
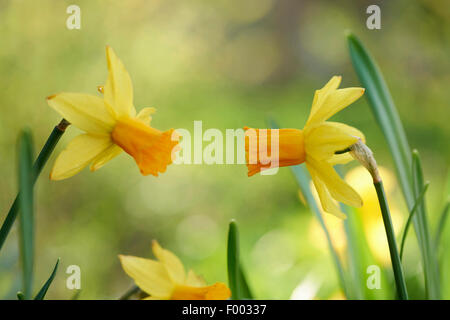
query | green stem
(37,168)
(395,257)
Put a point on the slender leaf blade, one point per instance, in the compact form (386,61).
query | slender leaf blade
(386,114)
(442,220)
(236,277)
(411,215)
(26,211)
(41,294)
(233,260)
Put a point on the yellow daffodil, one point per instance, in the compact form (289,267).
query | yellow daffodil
(166,279)
(111,126)
(316,145)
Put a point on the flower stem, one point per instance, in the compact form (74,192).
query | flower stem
(395,257)
(37,168)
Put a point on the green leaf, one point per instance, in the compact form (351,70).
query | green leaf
(44,289)
(20,296)
(432,284)
(77,295)
(411,214)
(26,213)
(442,220)
(386,115)
(38,166)
(303,181)
(236,277)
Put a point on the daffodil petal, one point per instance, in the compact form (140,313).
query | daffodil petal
(78,154)
(194,280)
(107,155)
(145,115)
(118,90)
(321,94)
(352,131)
(338,188)
(340,159)
(171,262)
(84,111)
(328,204)
(335,102)
(322,141)
(155,298)
(149,275)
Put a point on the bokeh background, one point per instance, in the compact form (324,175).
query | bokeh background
(229,64)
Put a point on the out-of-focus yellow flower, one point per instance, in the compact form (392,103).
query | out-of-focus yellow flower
(111,125)
(335,227)
(370,215)
(338,295)
(315,145)
(166,279)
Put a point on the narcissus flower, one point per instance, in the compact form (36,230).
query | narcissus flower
(111,126)
(166,279)
(316,145)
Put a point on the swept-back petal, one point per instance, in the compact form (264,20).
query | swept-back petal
(145,115)
(322,141)
(118,90)
(194,280)
(78,154)
(84,111)
(149,275)
(338,188)
(334,102)
(340,159)
(320,95)
(171,262)
(217,291)
(328,204)
(107,155)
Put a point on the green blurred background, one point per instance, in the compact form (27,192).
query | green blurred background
(229,64)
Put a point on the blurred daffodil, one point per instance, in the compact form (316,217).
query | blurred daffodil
(166,279)
(111,126)
(316,145)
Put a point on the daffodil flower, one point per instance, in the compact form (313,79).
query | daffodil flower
(166,279)
(111,126)
(316,145)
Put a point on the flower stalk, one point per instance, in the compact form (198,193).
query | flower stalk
(364,155)
(37,168)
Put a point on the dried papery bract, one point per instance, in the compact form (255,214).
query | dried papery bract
(361,152)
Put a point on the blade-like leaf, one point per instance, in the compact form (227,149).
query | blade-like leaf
(236,278)
(441,224)
(41,294)
(430,262)
(411,214)
(233,261)
(387,117)
(38,166)
(26,212)
(245,289)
